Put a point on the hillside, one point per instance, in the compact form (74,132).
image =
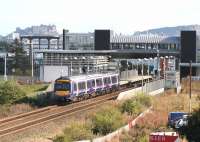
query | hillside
(170,31)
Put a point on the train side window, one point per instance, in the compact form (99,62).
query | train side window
(81,85)
(114,79)
(99,82)
(104,80)
(75,87)
(89,83)
(109,81)
(93,83)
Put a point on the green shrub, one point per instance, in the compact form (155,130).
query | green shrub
(10,92)
(143,99)
(60,139)
(74,132)
(144,139)
(106,120)
(132,107)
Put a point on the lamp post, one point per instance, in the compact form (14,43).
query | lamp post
(71,69)
(75,58)
(137,66)
(67,66)
(127,69)
(190,92)
(158,64)
(142,71)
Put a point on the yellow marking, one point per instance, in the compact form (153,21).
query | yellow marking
(63,81)
(62,93)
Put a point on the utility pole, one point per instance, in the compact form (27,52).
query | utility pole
(5,74)
(142,75)
(190,91)
(32,62)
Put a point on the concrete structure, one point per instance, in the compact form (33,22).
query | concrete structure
(78,41)
(39,42)
(51,73)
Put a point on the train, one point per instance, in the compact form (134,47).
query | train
(75,88)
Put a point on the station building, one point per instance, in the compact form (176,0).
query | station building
(91,52)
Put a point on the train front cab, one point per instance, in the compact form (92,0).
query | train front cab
(62,89)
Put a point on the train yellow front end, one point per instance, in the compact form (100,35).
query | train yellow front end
(62,88)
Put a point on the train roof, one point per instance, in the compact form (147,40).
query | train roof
(86,77)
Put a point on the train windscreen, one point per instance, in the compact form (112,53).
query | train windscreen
(62,86)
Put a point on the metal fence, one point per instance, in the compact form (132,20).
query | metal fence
(153,86)
(25,79)
(124,75)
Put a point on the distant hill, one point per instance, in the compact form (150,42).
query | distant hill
(41,30)
(170,31)
(38,30)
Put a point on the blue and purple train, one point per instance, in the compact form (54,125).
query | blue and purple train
(83,86)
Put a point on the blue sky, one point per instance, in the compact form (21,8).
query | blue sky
(124,16)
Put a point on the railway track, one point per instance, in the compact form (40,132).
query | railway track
(20,122)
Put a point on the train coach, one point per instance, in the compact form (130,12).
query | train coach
(83,86)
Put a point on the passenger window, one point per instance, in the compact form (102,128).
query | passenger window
(104,80)
(114,79)
(93,83)
(99,82)
(109,81)
(81,85)
(89,83)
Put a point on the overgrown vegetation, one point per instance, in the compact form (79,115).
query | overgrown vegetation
(131,107)
(32,88)
(107,119)
(10,92)
(157,119)
(16,98)
(75,131)
(136,105)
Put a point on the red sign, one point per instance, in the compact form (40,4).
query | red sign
(163,138)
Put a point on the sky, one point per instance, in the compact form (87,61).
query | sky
(121,16)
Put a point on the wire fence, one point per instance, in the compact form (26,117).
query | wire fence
(24,79)
(153,86)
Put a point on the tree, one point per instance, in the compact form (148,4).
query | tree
(192,130)
(20,62)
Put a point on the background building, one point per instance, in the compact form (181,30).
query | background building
(78,41)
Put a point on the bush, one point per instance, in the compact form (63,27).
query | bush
(144,100)
(106,120)
(75,132)
(10,92)
(59,139)
(132,107)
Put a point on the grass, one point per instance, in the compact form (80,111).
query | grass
(10,110)
(28,102)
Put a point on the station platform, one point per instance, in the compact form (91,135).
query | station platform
(133,79)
